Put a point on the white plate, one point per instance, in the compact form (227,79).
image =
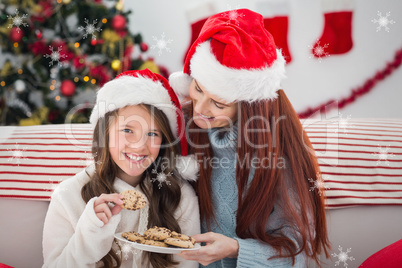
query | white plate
(155,248)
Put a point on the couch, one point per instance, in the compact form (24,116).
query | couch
(360,160)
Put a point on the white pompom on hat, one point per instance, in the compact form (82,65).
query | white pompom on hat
(145,87)
(234,58)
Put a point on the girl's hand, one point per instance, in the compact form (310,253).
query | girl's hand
(217,247)
(102,208)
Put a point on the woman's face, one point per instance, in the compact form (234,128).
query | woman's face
(135,141)
(209,111)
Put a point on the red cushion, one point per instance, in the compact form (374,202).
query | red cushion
(5,266)
(389,257)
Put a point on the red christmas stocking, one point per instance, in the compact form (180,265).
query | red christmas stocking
(337,35)
(197,17)
(276,21)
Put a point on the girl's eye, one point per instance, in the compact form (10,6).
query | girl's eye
(198,89)
(126,130)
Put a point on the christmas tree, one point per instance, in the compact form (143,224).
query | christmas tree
(54,55)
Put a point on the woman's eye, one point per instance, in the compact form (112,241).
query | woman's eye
(198,89)
(219,106)
(153,134)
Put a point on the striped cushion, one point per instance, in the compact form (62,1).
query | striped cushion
(360,159)
(35,159)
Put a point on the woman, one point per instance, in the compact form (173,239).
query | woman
(257,163)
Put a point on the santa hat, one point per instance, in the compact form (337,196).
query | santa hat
(234,58)
(145,87)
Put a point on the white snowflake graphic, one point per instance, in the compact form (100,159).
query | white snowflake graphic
(90,29)
(383,155)
(88,159)
(17,20)
(17,154)
(343,124)
(343,256)
(318,184)
(161,177)
(161,44)
(234,15)
(52,185)
(125,250)
(383,21)
(54,55)
(319,50)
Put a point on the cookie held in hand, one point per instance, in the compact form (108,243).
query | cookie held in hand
(133,200)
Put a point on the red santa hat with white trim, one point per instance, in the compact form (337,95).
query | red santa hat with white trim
(234,58)
(145,87)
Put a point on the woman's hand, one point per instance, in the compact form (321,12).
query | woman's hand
(102,209)
(217,247)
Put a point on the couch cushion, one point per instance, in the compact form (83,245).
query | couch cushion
(360,159)
(35,159)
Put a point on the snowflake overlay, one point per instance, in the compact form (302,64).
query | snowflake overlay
(319,50)
(383,155)
(234,15)
(17,20)
(125,250)
(161,44)
(54,56)
(343,256)
(343,124)
(88,160)
(383,21)
(90,29)
(161,177)
(318,184)
(17,154)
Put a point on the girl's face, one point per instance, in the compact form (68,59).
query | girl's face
(134,143)
(208,110)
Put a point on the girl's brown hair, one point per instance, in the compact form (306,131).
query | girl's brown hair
(284,138)
(163,201)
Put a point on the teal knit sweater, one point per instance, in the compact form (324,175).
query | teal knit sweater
(252,253)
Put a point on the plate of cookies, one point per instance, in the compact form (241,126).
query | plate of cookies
(159,240)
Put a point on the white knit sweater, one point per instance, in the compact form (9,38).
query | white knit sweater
(74,237)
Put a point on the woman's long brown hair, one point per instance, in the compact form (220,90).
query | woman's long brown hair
(163,201)
(284,139)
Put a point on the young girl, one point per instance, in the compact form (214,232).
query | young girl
(256,206)
(137,131)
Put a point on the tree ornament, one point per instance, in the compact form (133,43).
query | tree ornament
(19,86)
(67,88)
(119,22)
(66,2)
(116,65)
(16,34)
(144,47)
(38,34)
(119,5)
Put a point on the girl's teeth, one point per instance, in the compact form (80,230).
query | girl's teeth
(135,158)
